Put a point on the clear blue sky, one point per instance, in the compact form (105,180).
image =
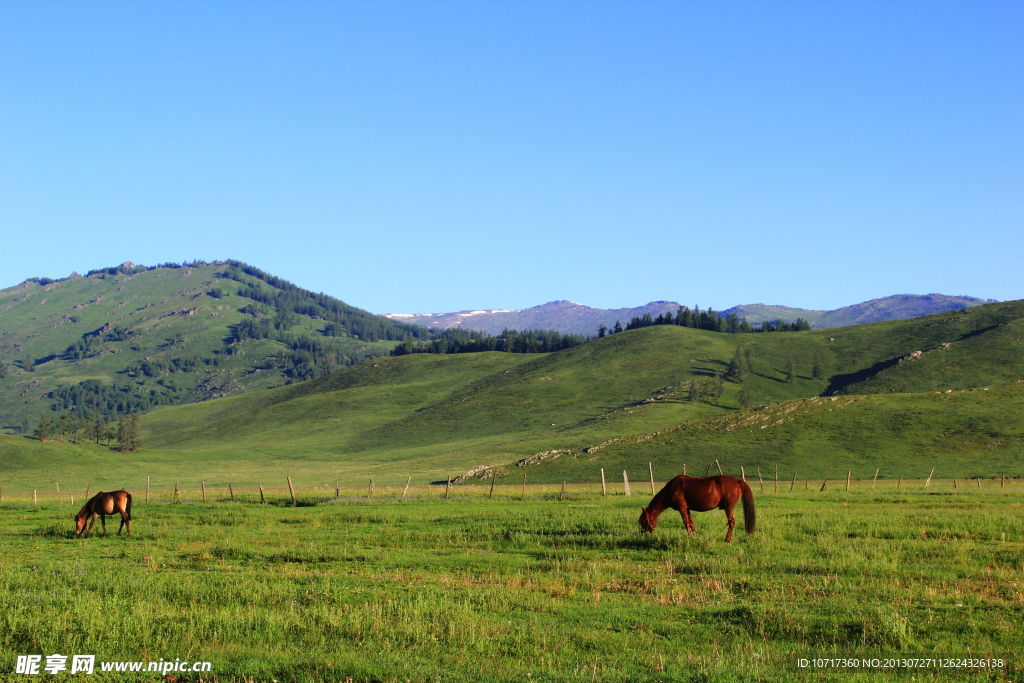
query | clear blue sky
(436,156)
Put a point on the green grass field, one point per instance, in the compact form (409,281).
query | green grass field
(503,589)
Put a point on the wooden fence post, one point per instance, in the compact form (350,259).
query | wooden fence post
(719,466)
(761,481)
(979,482)
(707,472)
(793,483)
(204,490)
(147,488)
(57,484)
(825,481)
(231,492)
(847,480)
(33,496)
(743,474)
(523,494)
(174,499)
(625,483)
(1002,479)
(899,484)
(337,483)
(406,486)
(447,487)
(684,469)
(494,475)
(954,483)
(650,468)
(776,479)
(87,489)
(562,491)
(604,487)
(928,482)
(877,469)
(370,492)
(72,497)
(291,490)
(263,501)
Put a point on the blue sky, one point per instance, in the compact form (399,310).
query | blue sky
(436,156)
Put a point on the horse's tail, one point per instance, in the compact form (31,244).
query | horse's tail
(128,506)
(748,507)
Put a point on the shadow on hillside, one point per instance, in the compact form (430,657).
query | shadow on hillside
(838,383)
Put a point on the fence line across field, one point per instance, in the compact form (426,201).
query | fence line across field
(230,492)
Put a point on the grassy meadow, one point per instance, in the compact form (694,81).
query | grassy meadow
(522,587)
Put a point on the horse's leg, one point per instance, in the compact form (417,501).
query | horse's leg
(92,521)
(103,521)
(684,510)
(731,523)
(125,523)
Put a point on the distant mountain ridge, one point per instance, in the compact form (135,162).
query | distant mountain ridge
(568,317)
(571,317)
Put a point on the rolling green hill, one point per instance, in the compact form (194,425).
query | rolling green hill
(131,338)
(616,402)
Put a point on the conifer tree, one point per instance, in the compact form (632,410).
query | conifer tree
(791,372)
(45,428)
(736,366)
(818,372)
(128,434)
(745,392)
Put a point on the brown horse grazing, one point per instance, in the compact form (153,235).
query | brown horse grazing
(701,494)
(101,505)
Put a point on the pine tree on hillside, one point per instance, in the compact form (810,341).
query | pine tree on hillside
(737,366)
(745,393)
(63,426)
(818,372)
(45,428)
(791,372)
(128,434)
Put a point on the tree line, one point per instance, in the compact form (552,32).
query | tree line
(706,320)
(124,432)
(455,340)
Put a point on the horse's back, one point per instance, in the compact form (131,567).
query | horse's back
(707,493)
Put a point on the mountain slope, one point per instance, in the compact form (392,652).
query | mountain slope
(131,338)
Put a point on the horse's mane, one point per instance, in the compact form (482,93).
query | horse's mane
(88,504)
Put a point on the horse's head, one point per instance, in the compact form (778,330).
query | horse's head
(80,519)
(647,521)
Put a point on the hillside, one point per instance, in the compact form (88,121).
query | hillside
(131,338)
(428,415)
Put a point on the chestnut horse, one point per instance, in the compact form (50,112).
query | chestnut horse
(101,505)
(701,494)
